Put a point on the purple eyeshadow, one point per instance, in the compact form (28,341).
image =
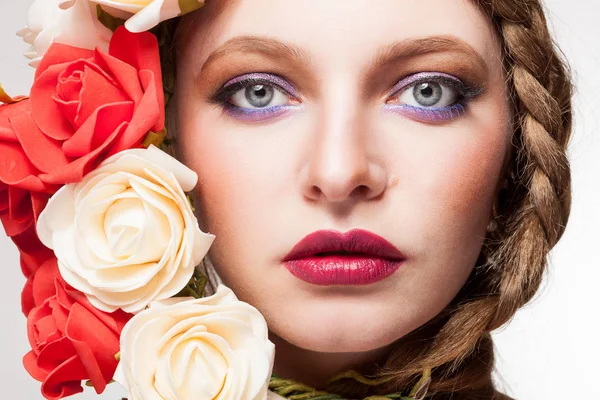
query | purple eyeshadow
(267,78)
(424,114)
(255,114)
(438,77)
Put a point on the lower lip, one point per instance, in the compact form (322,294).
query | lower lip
(342,270)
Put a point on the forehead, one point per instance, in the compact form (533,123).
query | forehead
(341,31)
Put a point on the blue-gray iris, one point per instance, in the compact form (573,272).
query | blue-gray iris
(259,95)
(427,94)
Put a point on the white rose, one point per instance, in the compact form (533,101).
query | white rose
(71,22)
(214,347)
(126,234)
(149,13)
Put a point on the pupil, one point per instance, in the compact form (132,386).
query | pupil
(427,91)
(259,91)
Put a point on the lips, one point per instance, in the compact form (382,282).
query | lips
(331,258)
(355,241)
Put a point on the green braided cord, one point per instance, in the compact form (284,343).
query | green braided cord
(420,389)
(357,376)
(292,390)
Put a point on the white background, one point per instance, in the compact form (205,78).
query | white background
(550,351)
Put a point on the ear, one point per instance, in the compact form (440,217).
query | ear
(506,173)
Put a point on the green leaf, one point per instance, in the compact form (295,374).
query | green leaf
(155,138)
(109,21)
(187,6)
(6,99)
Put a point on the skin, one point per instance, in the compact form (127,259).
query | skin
(340,159)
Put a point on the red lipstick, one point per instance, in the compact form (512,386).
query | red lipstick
(357,257)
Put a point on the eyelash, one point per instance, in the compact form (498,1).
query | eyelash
(465,93)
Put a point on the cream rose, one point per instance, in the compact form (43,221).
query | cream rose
(149,13)
(71,22)
(126,234)
(214,347)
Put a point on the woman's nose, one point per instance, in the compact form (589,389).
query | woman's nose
(340,167)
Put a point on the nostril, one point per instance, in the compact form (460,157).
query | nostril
(362,190)
(315,192)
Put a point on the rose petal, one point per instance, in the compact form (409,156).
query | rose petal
(97,132)
(46,154)
(75,171)
(64,380)
(124,74)
(43,284)
(33,252)
(27,300)
(57,215)
(74,24)
(95,345)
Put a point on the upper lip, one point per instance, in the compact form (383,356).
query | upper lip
(354,241)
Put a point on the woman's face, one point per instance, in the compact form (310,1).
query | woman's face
(388,116)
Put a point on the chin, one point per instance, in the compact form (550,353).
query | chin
(339,326)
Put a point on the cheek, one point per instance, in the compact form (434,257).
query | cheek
(237,189)
(442,204)
(454,185)
(466,178)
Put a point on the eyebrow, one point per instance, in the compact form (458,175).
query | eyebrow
(389,54)
(409,48)
(262,45)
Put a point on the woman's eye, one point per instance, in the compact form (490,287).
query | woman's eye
(257,96)
(428,95)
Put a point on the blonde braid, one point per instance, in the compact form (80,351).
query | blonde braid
(543,106)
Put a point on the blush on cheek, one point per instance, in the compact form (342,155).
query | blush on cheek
(462,177)
(472,179)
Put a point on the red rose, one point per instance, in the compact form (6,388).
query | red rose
(89,105)
(22,194)
(19,210)
(71,340)
(84,107)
